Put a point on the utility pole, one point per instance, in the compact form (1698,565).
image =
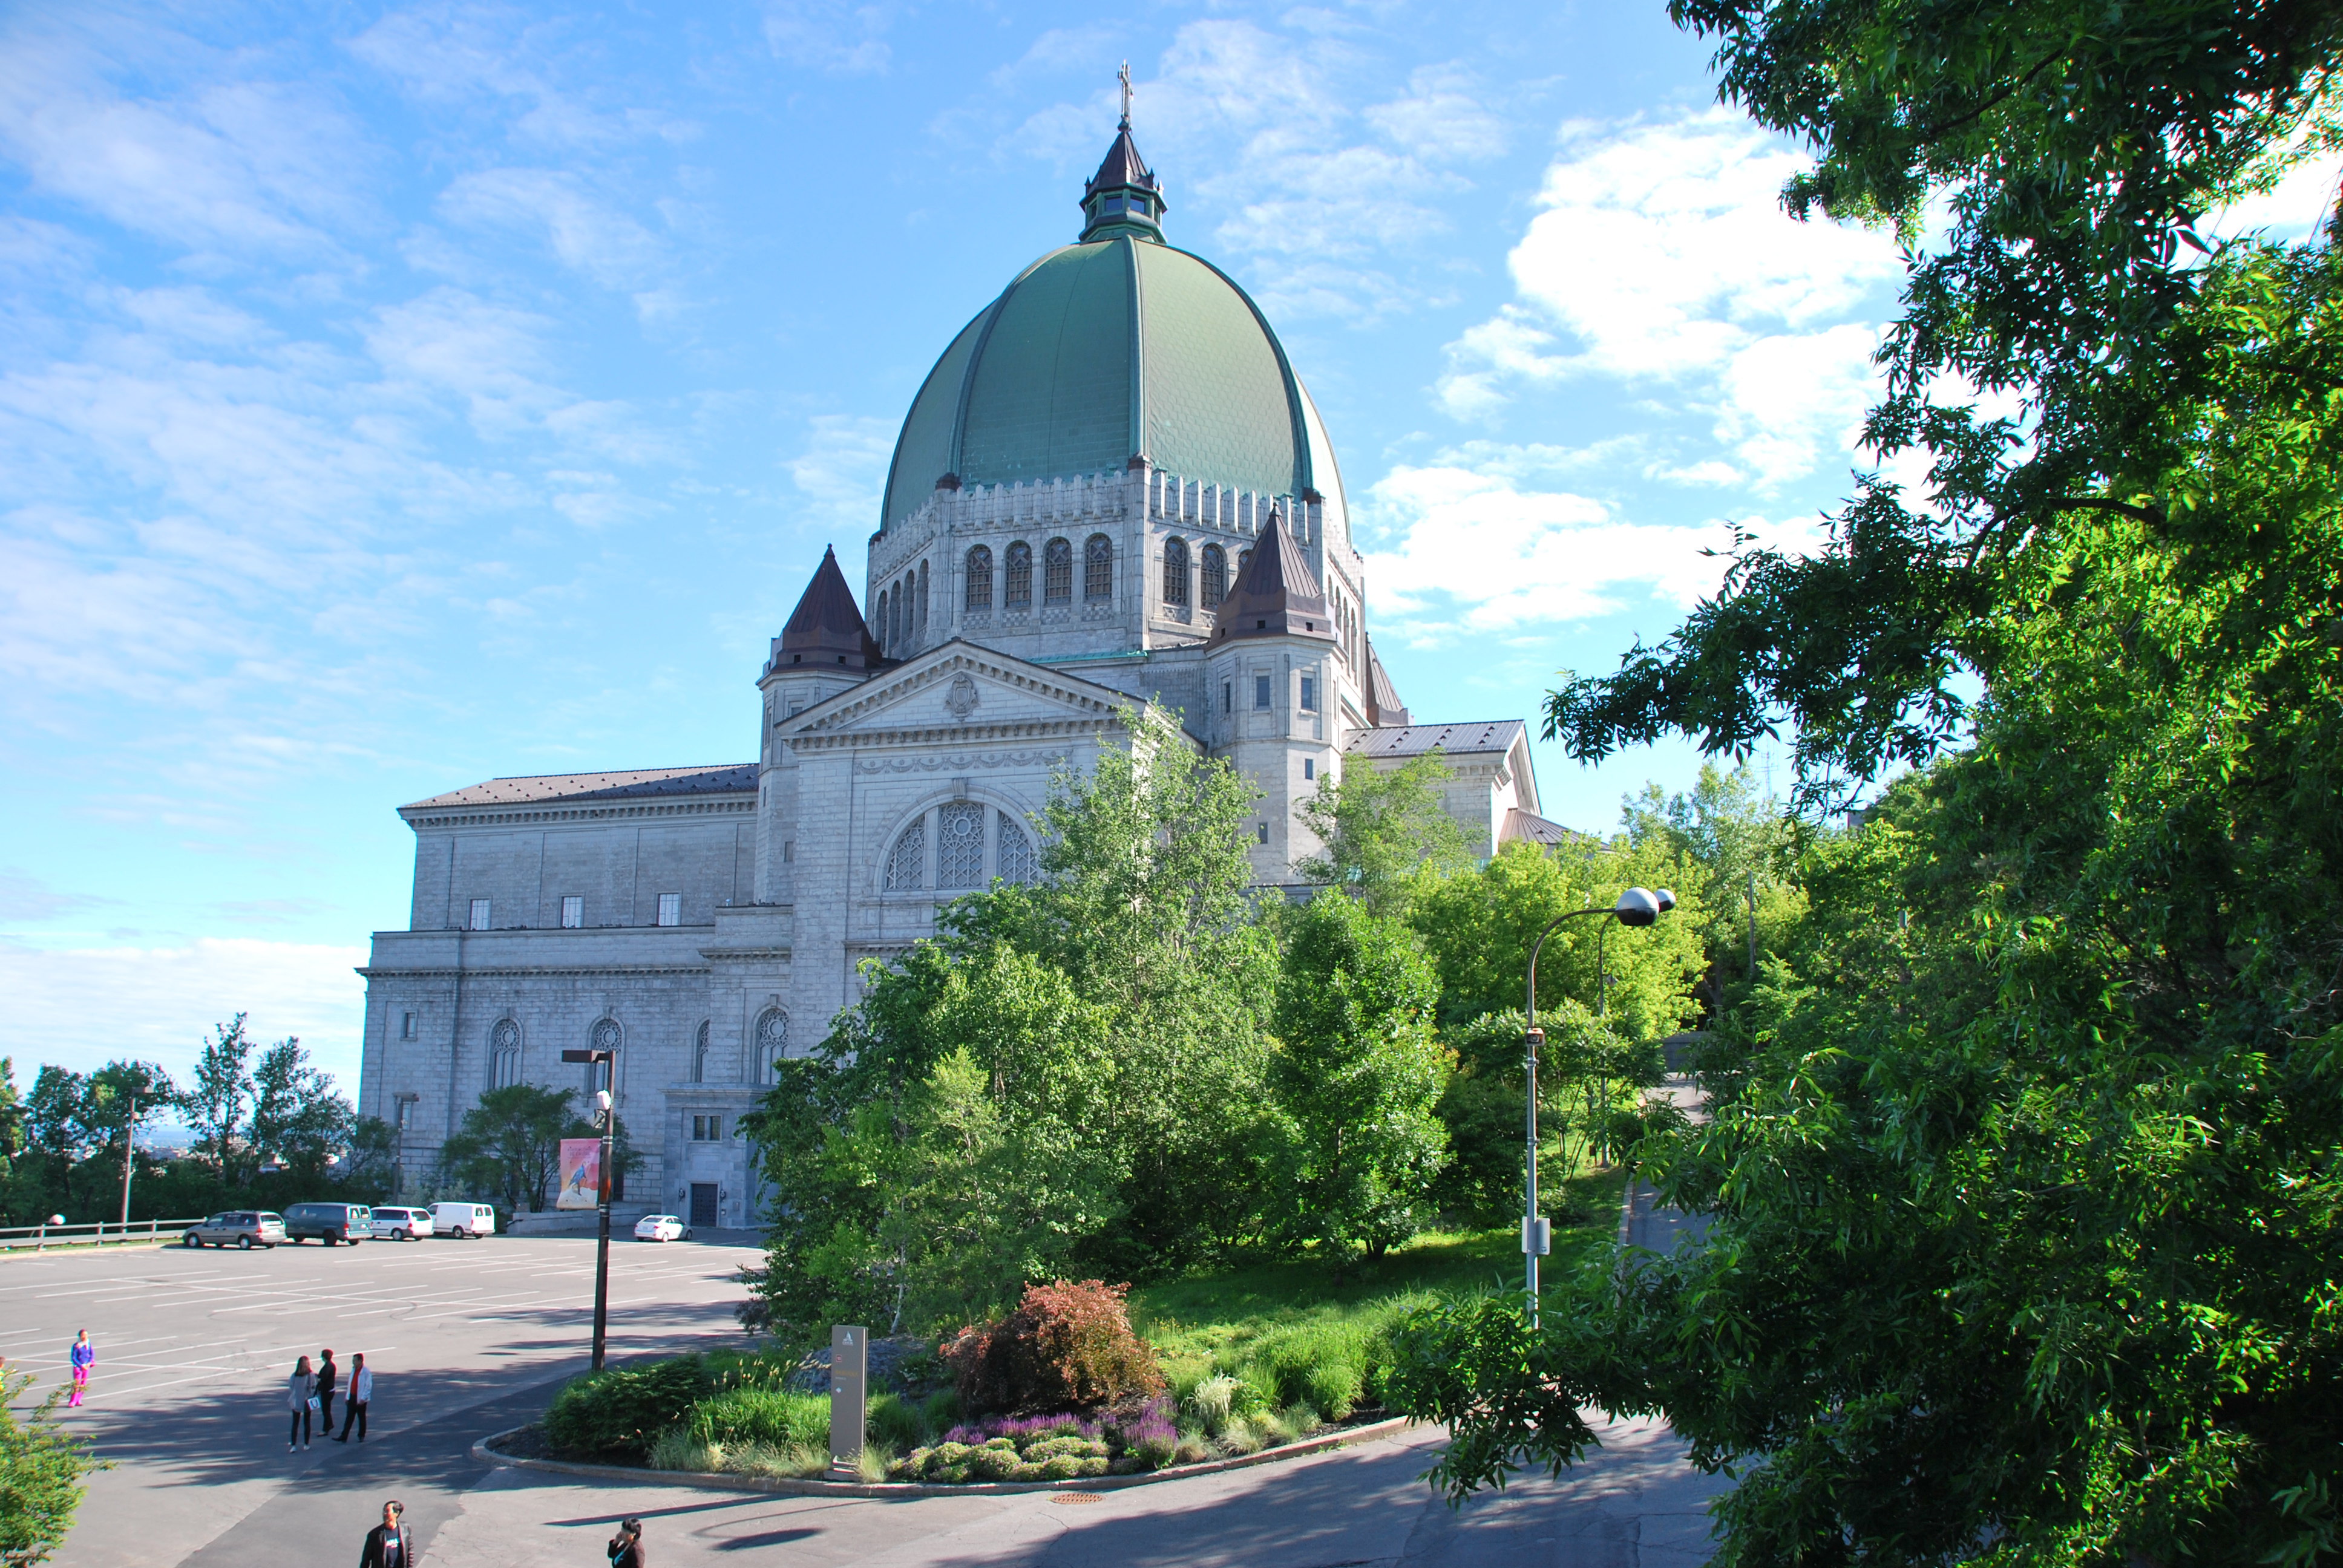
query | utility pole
(129,1141)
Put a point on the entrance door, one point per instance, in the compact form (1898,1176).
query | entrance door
(703,1205)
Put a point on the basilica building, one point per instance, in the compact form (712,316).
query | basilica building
(1112,487)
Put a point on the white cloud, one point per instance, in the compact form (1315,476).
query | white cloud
(81,1007)
(833,35)
(842,469)
(1660,256)
(585,234)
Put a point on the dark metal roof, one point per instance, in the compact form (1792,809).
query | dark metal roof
(1537,829)
(1276,594)
(1122,168)
(826,628)
(1383,706)
(1482,735)
(628,784)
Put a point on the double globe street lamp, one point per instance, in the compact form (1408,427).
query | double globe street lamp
(1636,906)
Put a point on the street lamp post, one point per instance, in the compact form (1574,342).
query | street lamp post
(1636,906)
(602,1196)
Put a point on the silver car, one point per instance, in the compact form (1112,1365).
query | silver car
(243,1228)
(400,1225)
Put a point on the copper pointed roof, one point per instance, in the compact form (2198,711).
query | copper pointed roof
(826,628)
(1276,594)
(1122,167)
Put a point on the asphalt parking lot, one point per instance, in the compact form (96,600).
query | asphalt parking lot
(194,1347)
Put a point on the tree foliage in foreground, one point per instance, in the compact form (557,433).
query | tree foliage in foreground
(2028,1197)
(42,1472)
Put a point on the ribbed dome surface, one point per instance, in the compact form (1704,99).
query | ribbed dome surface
(1100,352)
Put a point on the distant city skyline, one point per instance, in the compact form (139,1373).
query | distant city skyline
(397,397)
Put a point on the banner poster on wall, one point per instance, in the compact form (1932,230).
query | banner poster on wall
(581,1173)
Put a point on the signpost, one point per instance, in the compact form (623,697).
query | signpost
(601,1180)
(849,1398)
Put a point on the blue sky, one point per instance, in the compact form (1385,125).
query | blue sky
(396,397)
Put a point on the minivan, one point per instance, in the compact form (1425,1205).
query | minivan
(329,1223)
(463,1219)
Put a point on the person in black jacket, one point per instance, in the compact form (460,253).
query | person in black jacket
(327,1376)
(625,1547)
(387,1545)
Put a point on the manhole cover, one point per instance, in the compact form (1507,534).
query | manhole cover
(1077,1497)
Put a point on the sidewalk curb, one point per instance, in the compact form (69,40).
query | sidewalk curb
(484,1453)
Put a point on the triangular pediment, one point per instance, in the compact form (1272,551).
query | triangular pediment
(958,690)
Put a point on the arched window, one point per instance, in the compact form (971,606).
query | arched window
(772,1042)
(606,1035)
(979,578)
(1018,592)
(504,1054)
(1175,573)
(1244,560)
(918,600)
(1097,567)
(907,868)
(700,1054)
(883,623)
(907,595)
(1015,855)
(1057,572)
(1216,576)
(959,845)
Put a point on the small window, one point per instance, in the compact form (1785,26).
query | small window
(671,904)
(1309,769)
(706,1129)
(1309,694)
(978,595)
(1175,573)
(1227,697)
(1017,592)
(406,1026)
(573,913)
(479,914)
(1216,576)
(1262,830)
(1058,572)
(1261,697)
(1114,204)
(1097,569)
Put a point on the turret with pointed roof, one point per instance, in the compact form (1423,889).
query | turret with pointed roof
(827,628)
(1123,196)
(1276,594)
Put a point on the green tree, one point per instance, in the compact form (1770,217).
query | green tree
(42,1471)
(122,1096)
(2025,1205)
(1737,844)
(1358,1074)
(1382,829)
(216,1101)
(297,1117)
(56,1116)
(510,1144)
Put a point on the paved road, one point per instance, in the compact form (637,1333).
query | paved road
(194,1348)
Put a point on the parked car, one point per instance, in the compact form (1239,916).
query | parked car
(463,1219)
(329,1223)
(661,1228)
(243,1228)
(401,1224)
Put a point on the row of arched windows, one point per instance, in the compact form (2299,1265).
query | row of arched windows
(899,618)
(1214,587)
(770,1034)
(1057,574)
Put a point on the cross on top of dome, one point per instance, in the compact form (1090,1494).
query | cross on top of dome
(1123,196)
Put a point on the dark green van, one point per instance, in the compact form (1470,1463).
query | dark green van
(329,1223)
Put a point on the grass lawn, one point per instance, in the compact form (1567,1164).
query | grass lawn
(1269,1322)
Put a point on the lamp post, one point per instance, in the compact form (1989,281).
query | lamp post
(1636,906)
(129,1141)
(603,1102)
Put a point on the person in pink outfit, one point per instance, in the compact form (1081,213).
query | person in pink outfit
(83,1356)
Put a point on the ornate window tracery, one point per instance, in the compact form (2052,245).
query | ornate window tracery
(700,1054)
(960,845)
(772,1042)
(907,867)
(1014,858)
(979,578)
(504,1054)
(1097,567)
(1216,576)
(1058,572)
(1018,592)
(1175,573)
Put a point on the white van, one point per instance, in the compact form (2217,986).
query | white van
(463,1219)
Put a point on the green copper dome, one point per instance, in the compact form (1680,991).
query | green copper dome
(1114,349)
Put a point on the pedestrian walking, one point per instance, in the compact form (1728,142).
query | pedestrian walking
(301,1399)
(361,1394)
(625,1547)
(387,1545)
(328,1375)
(83,1356)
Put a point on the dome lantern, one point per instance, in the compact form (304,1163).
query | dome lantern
(1123,196)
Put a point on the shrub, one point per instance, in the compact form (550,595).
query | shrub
(893,1421)
(941,1409)
(615,1413)
(1066,1345)
(41,1472)
(1335,1389)
(1211,1402)
(771,1416)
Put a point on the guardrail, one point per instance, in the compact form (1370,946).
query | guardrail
(105,1233)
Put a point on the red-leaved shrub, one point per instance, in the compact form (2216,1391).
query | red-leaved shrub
(1066,1347)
